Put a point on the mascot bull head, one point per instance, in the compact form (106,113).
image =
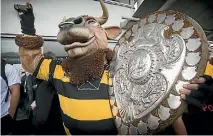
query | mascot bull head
(84,35)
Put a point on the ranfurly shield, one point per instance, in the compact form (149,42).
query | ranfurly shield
(154,58)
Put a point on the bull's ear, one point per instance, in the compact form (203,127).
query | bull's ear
(112,32)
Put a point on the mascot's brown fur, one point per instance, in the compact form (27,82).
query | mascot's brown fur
(91,67)
(29,42)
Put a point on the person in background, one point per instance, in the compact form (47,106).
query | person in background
(47,111)
(10,93)
(23,117)
(199,96)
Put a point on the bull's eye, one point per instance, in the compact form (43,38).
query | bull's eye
(92,22)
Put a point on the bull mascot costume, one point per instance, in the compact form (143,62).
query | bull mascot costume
(133,89)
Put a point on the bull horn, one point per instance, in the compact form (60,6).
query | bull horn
(64,19)
(103,19)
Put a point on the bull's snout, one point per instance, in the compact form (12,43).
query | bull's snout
(72,30)
(74,34)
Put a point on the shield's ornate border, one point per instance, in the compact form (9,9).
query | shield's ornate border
(178,23)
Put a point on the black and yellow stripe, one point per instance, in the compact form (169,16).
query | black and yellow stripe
(103,127)
(209,70)
(83,111)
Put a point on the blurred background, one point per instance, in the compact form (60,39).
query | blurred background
(123,13)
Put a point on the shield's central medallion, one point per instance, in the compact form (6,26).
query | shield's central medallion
(139,65)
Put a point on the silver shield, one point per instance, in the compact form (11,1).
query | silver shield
(150,67)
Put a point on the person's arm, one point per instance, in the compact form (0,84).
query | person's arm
(14,82)
(30,44)
(179,127)
(199,92)
(15,95)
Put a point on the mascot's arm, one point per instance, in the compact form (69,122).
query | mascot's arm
(29,43)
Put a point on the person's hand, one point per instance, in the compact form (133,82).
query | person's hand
(198,92)
(27,19)
(33,105)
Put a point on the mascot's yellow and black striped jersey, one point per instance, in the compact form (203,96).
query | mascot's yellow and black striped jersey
(209,70)
(85,107)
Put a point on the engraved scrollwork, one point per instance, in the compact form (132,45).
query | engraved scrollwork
(151,92)
(174,49)
(138,83)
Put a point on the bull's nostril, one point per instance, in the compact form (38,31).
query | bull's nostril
(78,20)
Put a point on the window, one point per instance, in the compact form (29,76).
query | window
(9,50)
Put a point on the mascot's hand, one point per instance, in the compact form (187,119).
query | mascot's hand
(198,93)
(27,19)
